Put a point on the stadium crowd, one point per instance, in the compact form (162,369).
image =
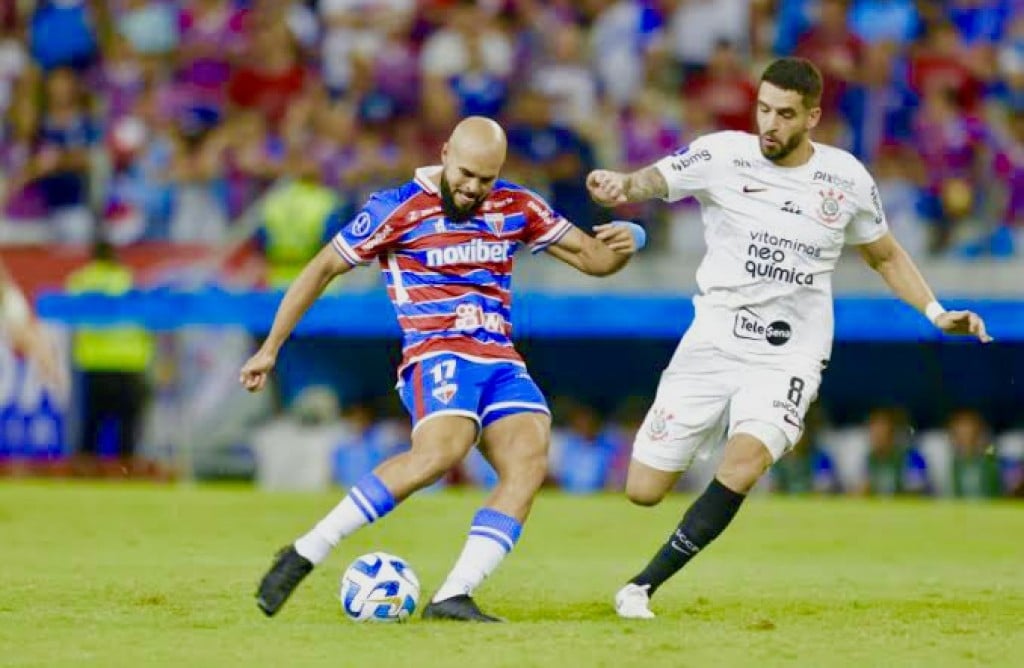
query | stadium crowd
(165,119)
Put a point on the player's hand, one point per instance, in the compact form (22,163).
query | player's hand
(966,323)
(254,372)
(617,237)
(607,188)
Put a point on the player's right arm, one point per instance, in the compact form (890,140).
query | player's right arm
(685,172)
(610,188)
(359,241)
(301,294)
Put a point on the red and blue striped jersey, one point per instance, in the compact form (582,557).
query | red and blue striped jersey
(450,282)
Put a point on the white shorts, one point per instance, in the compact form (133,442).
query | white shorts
(707,394)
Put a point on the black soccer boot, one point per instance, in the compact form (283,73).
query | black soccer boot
(281,580)
(460,608)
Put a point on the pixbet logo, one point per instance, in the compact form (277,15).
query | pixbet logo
(833,179)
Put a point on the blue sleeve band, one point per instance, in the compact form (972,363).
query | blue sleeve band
(639,233)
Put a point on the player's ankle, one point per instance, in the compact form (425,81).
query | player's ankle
(451,588)
(313,547)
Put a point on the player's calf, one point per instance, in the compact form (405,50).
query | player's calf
(747,457)
(516,489)
(437,445)
(709,515)
(411,471)
(516,447)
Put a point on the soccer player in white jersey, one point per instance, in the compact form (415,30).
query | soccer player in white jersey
(777,210)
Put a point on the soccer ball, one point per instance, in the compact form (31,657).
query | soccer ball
(379,587)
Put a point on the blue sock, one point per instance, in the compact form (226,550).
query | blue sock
(499,527)
(372,497)
(492,536)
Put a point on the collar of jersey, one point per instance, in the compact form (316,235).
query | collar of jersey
(423,175)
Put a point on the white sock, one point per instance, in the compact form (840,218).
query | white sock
(366,502)
(342,521)
(491,537)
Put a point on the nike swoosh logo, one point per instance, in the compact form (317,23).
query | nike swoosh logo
(751,189)
(790,420)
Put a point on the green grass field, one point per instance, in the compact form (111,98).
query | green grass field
(124,575)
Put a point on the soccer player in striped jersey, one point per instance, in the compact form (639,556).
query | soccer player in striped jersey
(445,243)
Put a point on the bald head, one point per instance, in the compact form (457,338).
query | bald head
(472,158)
(480,138)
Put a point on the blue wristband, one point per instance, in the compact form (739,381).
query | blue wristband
(639,233)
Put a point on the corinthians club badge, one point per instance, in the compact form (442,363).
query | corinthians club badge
(830,209)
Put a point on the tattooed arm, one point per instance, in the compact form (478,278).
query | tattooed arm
(610,188)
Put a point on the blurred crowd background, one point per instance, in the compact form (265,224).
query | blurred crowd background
(165,119)
(884,457)
(191,136)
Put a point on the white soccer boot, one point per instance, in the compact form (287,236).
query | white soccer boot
(632,601)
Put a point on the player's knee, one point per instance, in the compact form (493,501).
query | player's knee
(644,495)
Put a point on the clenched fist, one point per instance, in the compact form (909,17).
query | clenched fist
(253,376)
(606,187)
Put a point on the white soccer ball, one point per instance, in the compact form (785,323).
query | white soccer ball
(379,587)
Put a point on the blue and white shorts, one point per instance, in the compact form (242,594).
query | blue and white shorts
(448,384)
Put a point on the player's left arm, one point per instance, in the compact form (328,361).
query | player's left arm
(886,256)
(600,255)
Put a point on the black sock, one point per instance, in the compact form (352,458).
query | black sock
(703,521)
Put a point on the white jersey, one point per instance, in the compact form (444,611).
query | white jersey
(773,235)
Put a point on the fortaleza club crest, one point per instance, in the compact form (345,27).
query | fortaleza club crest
(830,209)
(444,393)
(495,221)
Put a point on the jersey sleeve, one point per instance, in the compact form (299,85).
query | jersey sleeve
(369,233)
(868,223)
(544,226)
(689,170)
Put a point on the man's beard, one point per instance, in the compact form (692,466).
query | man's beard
(784,149)
(452,211)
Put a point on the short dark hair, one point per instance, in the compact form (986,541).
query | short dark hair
(796,74)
